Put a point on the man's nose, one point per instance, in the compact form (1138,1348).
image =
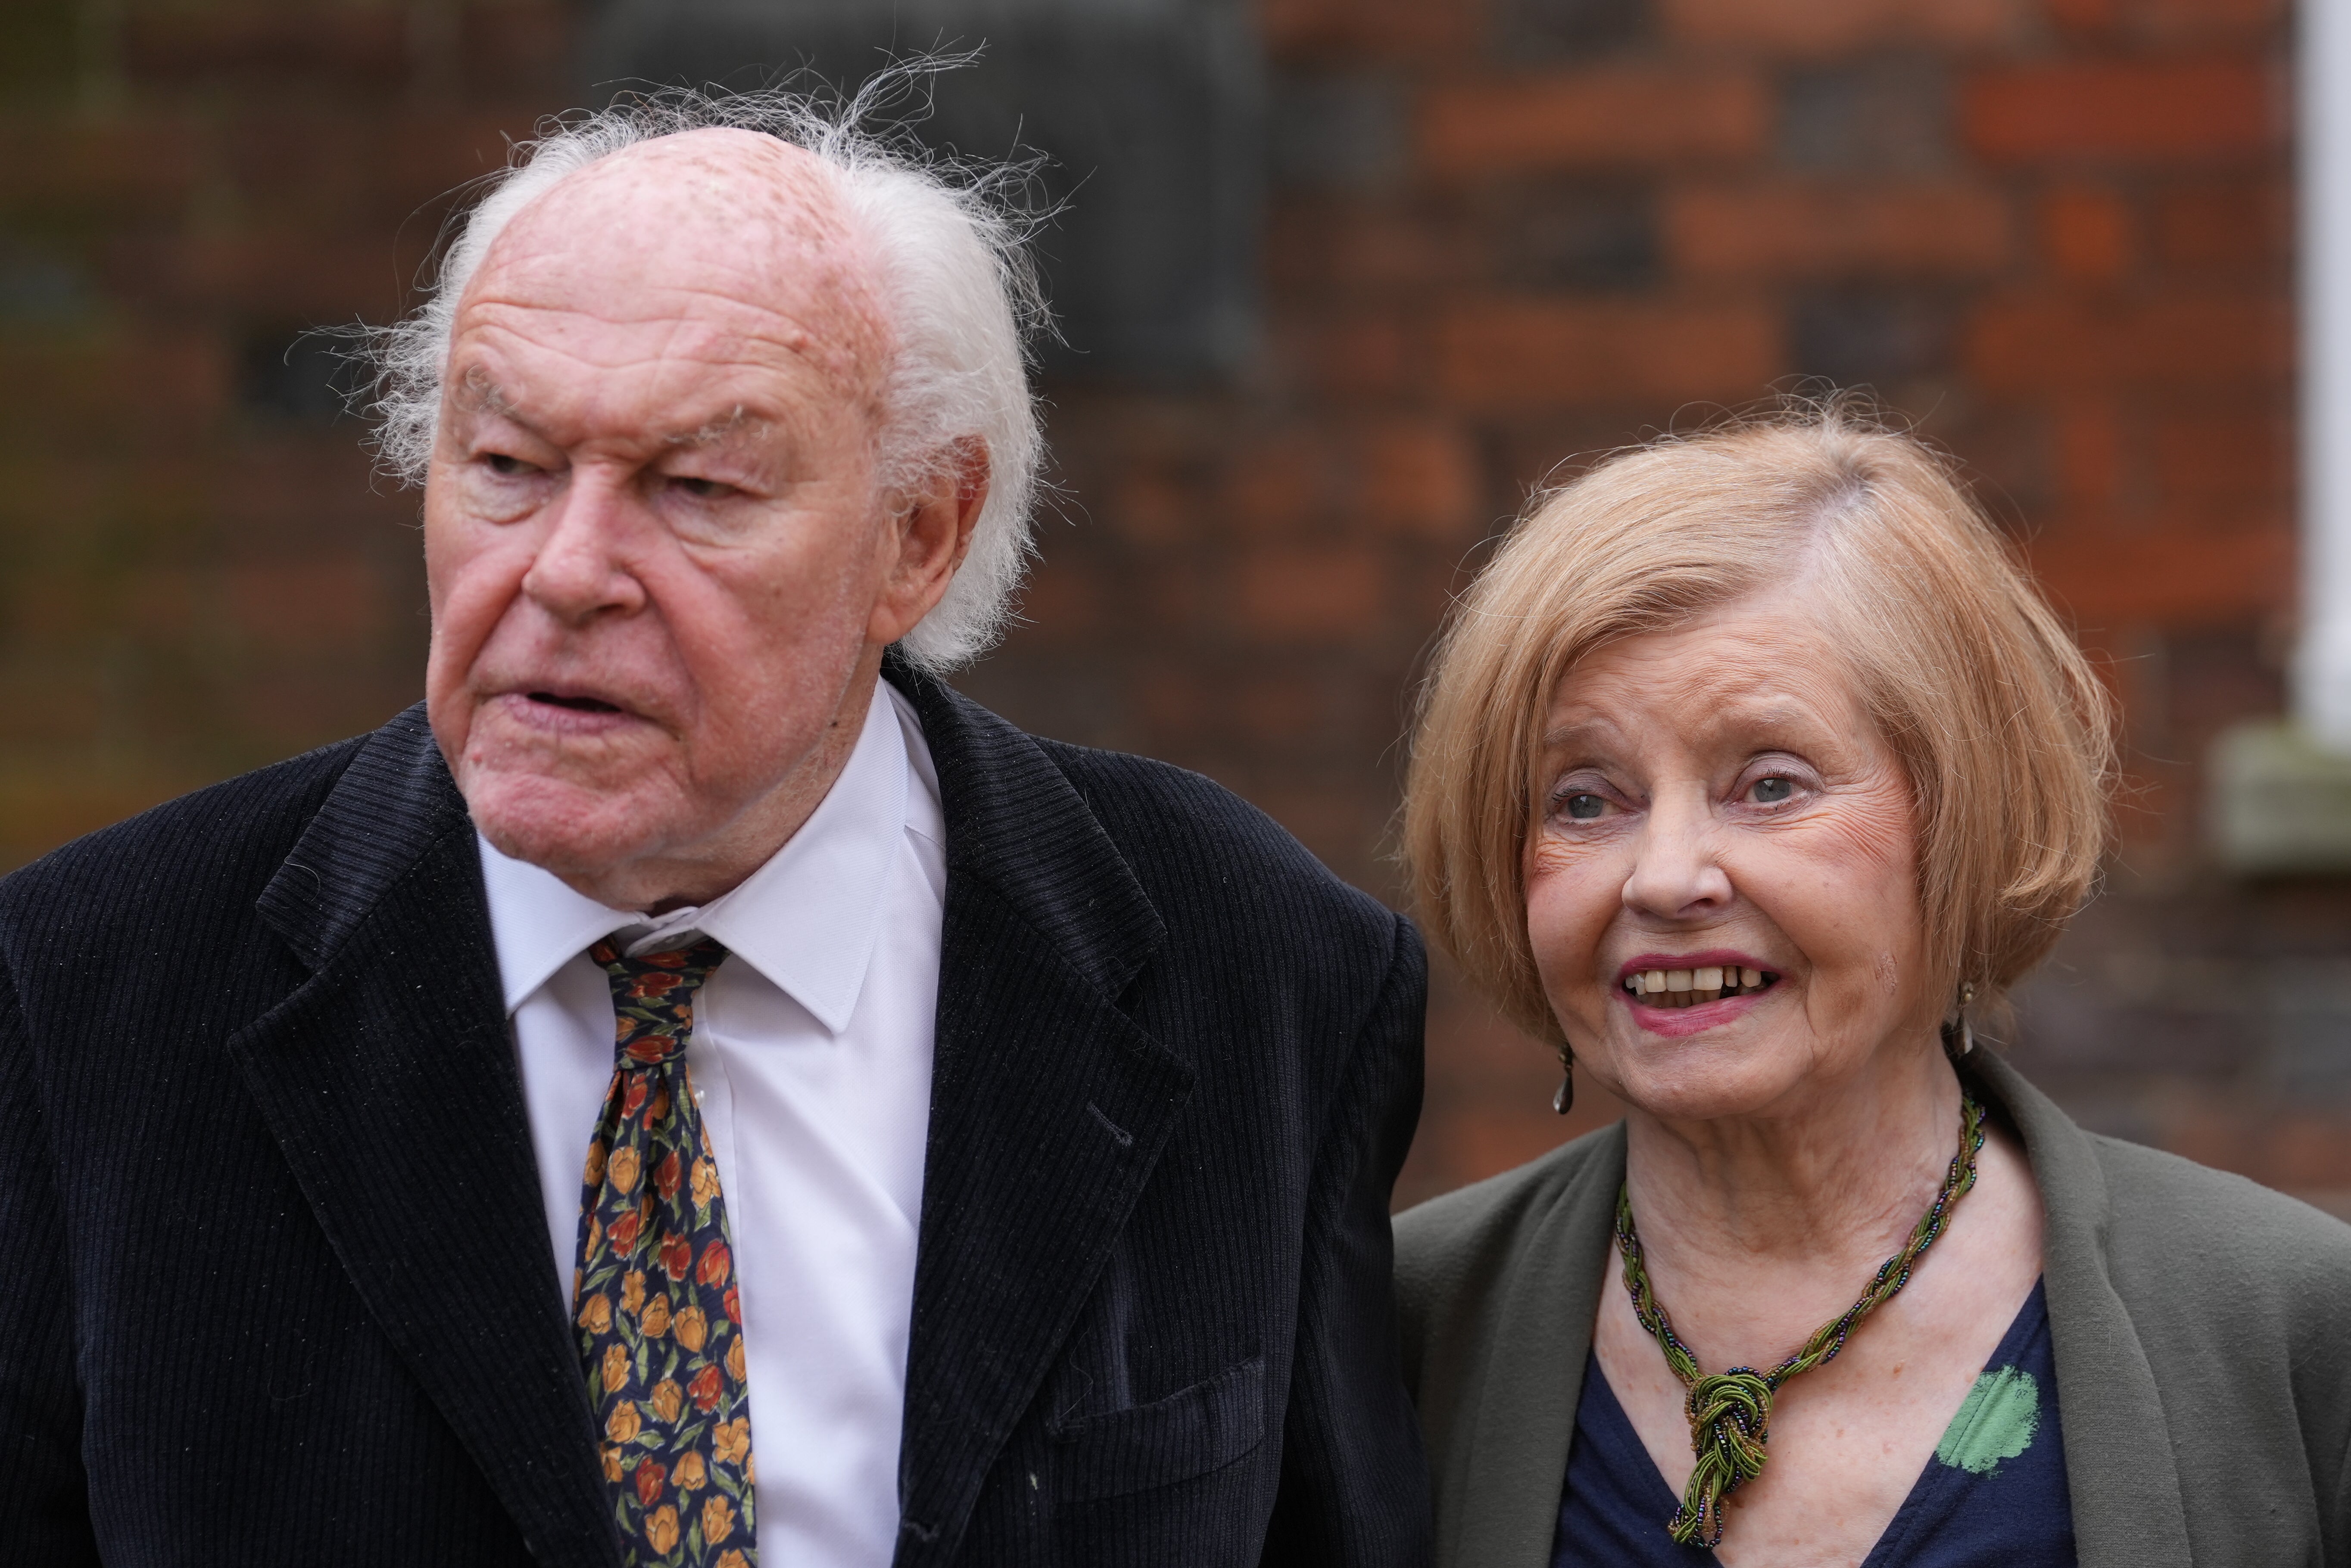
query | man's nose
(1678,873)
(582,570)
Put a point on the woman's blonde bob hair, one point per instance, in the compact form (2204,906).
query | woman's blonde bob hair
(2005,732)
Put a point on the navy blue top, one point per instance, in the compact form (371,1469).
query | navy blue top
(1993,1497)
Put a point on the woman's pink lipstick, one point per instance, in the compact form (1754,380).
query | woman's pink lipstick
(1688,993)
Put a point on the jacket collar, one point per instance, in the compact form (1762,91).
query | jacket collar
(1505,1477)
(394,802)
(2128,1507)
(1016,826)
(1049,1104)
(390,1074)
(390,1082)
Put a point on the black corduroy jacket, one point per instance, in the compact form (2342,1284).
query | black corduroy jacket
(274,1278)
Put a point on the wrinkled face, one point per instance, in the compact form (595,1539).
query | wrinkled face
(656,552)
(1720,886)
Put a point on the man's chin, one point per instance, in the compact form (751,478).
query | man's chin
(572,832)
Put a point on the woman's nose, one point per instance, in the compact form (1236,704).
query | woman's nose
(1677,874)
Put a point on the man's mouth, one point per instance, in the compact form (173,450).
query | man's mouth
(576,704)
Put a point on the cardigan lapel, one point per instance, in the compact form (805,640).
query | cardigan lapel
(391,1085)
(2128,1507)
(1049,1104)
(1504,1483)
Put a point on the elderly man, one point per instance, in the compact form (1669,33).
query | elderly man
(697,1090)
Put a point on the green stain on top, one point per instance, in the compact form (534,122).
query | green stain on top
(1996,1421)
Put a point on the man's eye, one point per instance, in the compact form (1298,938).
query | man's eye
(506,465)
(702,489)
(1771,791)
(1584,807)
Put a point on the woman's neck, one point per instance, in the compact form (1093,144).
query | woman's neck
(1828,1184)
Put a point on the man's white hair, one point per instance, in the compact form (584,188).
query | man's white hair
(957,284)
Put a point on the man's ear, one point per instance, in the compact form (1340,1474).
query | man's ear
(931,533)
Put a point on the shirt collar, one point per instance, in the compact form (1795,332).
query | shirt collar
(806,920)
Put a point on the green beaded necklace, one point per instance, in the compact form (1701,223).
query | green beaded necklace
(1730,1413)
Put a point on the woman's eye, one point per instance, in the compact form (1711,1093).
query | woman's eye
(1771,791)
(1584,807)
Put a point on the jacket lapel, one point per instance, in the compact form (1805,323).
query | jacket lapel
(2128,1508)
(1049,1105)
(389,1083)
(1502,1485)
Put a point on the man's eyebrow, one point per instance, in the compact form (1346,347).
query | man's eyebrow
(718,430)
(481,392)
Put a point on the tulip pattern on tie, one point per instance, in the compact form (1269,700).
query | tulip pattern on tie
(661,1327)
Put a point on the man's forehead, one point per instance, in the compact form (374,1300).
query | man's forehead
(712,230)
(705,418)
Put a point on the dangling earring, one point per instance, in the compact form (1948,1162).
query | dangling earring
(1563,1099)
(1960,1036)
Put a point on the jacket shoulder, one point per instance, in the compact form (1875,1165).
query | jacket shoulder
(1184,831)
(1453,1250)
(2182,1231)
(218,844)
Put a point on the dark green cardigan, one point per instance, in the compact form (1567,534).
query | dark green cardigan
(2202,1324)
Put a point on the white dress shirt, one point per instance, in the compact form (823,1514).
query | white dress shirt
(812,1063)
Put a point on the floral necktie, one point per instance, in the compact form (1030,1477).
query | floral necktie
(660,1330)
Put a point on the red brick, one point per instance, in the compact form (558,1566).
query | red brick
(121,167)
(2174,574)
(1317,593)
(282,273)
(1837,26)
(1316,248)
(1629,117)
(344,45)
(2087,233)
(1504,355)
(2038,345)
(1275,710)
(2084,17)
(1154,508)
(2202,21)
(1061,604)
(2091,459)
(1818,230)
(2225,227)
(504,44)
(37,814)
(2141,110)
(1385,29)
(1276,484)
(1353,358)
(2223,456)
(1175,707)
(1177,595)
(427,155)
(307,607)
(2299,1149)
(1415,477)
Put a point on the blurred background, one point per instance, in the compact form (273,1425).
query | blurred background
(1341,280)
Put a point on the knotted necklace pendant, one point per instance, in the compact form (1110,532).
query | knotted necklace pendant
(1730,1412)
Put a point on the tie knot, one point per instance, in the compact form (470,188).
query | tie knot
(652,998)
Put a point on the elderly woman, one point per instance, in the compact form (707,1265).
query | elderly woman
(1752,772)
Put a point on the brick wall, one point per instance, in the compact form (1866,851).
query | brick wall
(2055,233)
(202,577)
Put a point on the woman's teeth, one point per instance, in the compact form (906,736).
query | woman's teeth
(1689,987)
